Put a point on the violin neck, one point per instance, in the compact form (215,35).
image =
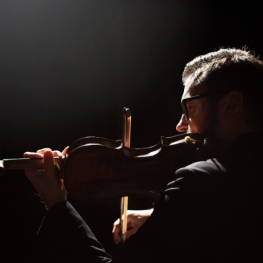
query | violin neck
(27,163)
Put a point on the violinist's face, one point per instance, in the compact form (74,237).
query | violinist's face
(202,117)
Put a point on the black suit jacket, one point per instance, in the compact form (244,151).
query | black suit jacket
(210,212)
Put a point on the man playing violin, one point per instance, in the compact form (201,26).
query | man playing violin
(211,211)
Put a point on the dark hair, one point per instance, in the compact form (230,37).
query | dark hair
(231,69)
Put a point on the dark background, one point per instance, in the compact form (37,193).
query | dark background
(68,67)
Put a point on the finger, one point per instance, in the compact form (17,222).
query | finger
(116,232)
(114,228)
(117,222)
(65,151)
(57,154)
(117,239)
(49,163)
(42,151)
(32,155)
(116,235)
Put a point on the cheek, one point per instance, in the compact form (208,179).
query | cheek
(198,110)
(199,121)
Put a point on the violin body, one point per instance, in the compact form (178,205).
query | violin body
(107,170)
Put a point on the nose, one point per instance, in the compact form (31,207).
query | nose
(182,125)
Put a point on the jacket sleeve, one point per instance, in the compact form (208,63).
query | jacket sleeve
(65,237)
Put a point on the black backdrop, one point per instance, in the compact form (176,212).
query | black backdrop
(67,69)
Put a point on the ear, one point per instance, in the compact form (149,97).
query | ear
(233,104)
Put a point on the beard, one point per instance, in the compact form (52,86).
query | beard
(211,131)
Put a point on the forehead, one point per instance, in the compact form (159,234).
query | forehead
(191,89)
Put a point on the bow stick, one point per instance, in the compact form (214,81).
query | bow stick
(126,143)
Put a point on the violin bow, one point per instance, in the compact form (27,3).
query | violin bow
(126,143)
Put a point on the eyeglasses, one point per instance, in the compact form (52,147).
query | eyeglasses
(184,102)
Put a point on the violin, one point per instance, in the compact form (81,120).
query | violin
(96,170)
